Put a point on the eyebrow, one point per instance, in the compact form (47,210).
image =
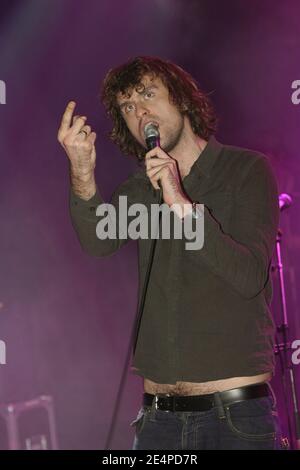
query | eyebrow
(144,91)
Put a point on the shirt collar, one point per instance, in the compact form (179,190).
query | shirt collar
(207,158)
(204,163)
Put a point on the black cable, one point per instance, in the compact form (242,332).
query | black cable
(133,335)
(152,138)
(147,277)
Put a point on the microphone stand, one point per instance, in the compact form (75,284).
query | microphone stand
(285,346)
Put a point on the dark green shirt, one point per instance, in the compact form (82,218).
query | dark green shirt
(207,312)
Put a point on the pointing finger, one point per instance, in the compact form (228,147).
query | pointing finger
(67,117)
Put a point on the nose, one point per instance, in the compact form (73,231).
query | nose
(141,110)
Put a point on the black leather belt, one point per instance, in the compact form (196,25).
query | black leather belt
(167,402)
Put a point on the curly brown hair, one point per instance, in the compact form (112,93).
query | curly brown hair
(183,92)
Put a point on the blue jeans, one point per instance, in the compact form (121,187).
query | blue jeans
(249,424)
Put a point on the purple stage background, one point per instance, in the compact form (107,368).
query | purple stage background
(66,317)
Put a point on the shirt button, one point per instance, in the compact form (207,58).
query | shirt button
(92,208)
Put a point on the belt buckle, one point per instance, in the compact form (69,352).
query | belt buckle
(157,396)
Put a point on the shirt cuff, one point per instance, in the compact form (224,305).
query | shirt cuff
(82,205)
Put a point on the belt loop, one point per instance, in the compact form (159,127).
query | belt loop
(219,405)
(273,395)
(153,406)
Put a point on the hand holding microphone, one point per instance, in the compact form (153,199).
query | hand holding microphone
(162,169)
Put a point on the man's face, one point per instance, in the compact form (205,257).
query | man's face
(151,103)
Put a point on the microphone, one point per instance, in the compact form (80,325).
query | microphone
(285,201)
(152,138)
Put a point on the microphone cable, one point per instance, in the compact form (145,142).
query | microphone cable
(152,140)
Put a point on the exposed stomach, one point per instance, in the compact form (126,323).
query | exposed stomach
(194,388)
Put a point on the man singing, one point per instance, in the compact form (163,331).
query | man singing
(205,342)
